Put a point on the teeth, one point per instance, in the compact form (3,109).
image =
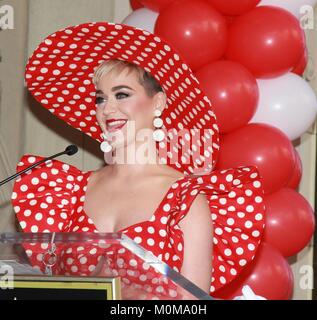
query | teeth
(115,123)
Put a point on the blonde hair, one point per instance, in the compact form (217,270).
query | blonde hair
(150,84)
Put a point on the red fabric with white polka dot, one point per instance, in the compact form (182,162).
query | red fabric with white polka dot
(50,198)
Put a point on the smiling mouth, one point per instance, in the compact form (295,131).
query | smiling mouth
(115,124)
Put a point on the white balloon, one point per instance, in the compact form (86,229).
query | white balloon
(288,103)
(293,6)
(248,294)
(142,18)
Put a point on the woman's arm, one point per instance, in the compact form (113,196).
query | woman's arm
(197,228)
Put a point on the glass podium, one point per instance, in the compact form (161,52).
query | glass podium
(105,266)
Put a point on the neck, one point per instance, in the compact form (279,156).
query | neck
(134,160)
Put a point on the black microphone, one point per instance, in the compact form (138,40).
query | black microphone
(70,150)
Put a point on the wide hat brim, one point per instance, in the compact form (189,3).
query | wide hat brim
(59,75)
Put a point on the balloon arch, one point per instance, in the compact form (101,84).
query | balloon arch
(249,57)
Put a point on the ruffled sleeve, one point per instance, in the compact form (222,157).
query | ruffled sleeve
(44,197)
(235,198)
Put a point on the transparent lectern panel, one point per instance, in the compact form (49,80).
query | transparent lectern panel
(95,255)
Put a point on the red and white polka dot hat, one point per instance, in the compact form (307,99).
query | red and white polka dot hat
(59,75)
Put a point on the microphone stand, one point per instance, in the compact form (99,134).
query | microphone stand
(70,150)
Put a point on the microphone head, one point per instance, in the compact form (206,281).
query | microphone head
(72,149)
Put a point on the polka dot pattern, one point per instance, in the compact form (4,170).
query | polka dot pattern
(63,86)
(58,207)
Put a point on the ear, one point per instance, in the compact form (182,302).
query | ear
(159,101)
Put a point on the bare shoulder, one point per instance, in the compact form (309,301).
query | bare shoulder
(198,213)
(200,202)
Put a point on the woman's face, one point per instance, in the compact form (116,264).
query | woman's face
(122,103)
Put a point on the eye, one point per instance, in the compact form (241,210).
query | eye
(121,95)
(100,100)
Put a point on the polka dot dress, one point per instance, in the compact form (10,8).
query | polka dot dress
(50,198)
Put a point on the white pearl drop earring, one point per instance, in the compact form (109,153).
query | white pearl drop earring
(105,146)
(158,133)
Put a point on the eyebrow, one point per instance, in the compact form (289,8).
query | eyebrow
(115,89)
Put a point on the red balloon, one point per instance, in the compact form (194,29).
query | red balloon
(135,4)
(156,5)
(290,221)
(195,29)
(234,7)
(233,91)
(267,40)
(269,276)
(302,64)
(230,20)
(297,172)
(262,145)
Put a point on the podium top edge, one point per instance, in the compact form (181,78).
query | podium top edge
(22,237)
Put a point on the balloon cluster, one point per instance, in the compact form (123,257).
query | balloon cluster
(249,57)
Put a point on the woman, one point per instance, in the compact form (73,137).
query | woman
(115,81)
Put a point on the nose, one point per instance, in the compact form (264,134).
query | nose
(109,107)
